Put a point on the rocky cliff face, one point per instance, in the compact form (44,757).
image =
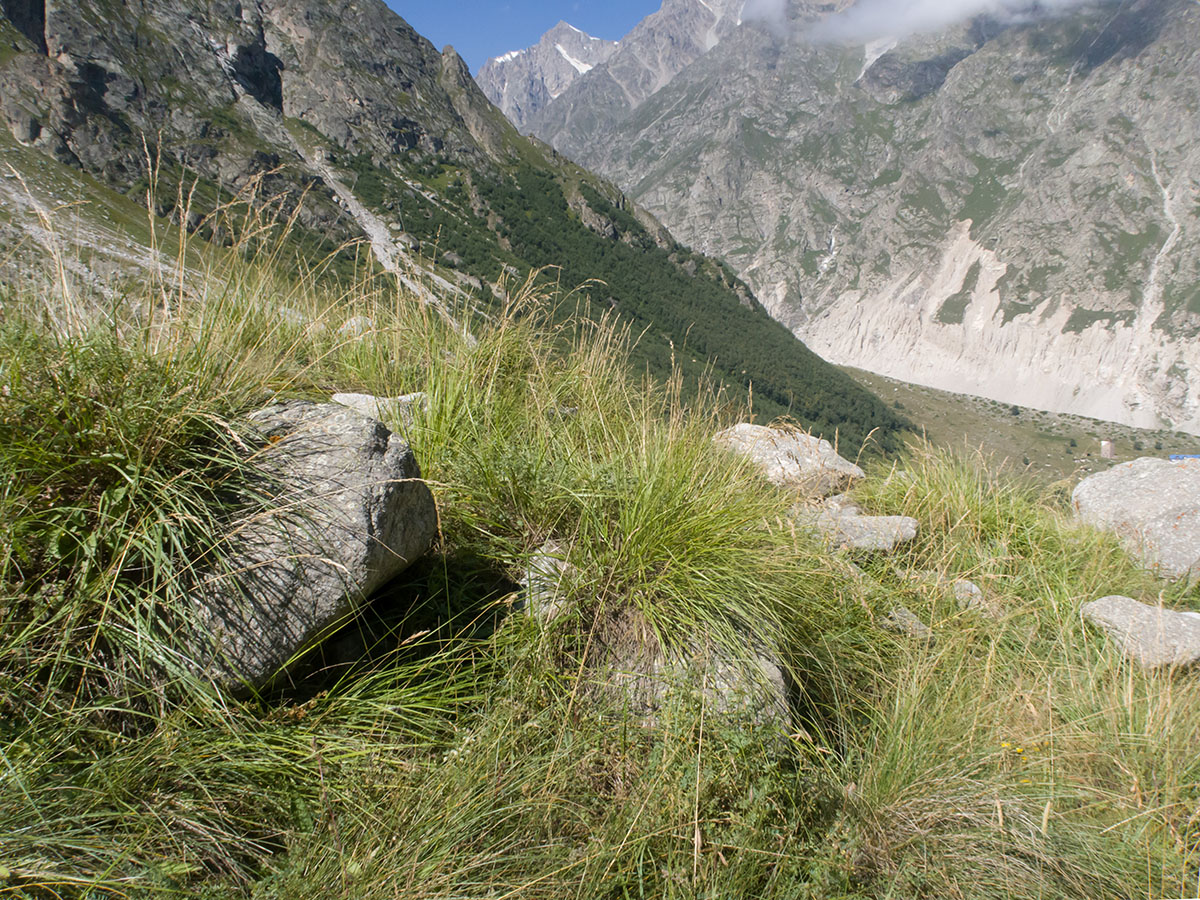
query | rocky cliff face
(1005,207)
(522,82)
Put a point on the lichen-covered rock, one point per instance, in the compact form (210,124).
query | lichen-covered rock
(1151,636)
(639,676)
(792,459)
(348,511)
(1153,505)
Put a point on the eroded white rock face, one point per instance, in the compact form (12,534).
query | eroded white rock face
(1153,505)
(792,459)
(1130,373)
(1151,636)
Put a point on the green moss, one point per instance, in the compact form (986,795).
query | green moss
(955,306)
(1081,318)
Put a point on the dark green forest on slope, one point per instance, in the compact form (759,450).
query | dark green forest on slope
(689,310)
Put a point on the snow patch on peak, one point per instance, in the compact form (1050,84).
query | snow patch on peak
(509,56)
(581,67)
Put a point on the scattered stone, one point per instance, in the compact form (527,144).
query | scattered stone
(543,580)
(633,673)
(386,409)
(1153,505)
(348,512)
(292,316)
(791,458)
(356,326)
(903,621)
(846,527)
(971,598)
(1149,635)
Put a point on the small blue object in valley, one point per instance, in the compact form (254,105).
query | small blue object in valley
(1184,456)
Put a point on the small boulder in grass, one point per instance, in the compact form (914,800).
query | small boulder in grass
(902,620)
(792,459)
(544,580)
(348,511)
(1151,636)
(1153,506)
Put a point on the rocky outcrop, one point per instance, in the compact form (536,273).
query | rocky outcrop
(1151,636)
(347,511)
(1153,505)
(791,459)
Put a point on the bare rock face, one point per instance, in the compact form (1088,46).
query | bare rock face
(1149,635)
(791,458)
(936,207)
(348,512)
(1153,505)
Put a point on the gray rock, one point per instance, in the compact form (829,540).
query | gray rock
(397,410)
(545,574)
(1153,505)
(754,692)
(844,525)
(879,533)
(792,459)
(348,512)
(971,598)
(356,326)
(1149,635)
(903,621)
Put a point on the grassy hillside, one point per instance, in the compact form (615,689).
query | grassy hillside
(465,750)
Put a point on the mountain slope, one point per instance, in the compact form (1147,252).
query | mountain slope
(1003,207)
(362,130)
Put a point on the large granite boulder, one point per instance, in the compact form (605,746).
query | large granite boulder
(1153,505)
(1149,635)
(347,512)
(792,459)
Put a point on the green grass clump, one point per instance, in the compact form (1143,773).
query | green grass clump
(463,749)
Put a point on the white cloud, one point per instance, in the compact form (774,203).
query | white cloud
(772,13)
(871,19)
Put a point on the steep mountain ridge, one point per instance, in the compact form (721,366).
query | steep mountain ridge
(646,59)
(522,82)
(358,129)
(1006,208)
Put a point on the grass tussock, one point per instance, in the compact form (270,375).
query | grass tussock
(466,750)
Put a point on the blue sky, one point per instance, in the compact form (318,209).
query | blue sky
(479,29)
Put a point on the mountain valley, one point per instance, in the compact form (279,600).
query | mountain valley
(1005,206)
